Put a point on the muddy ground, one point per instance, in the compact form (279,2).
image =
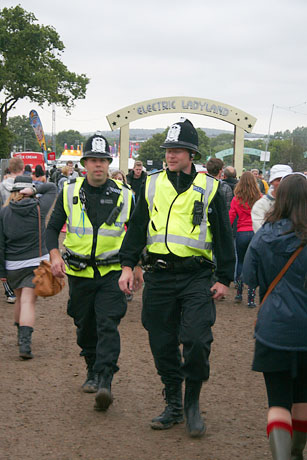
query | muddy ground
(45,415)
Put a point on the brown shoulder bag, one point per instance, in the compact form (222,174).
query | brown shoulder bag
(46,284)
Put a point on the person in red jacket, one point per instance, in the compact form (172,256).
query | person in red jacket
(246,194)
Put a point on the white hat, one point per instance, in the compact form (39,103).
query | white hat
(279,171)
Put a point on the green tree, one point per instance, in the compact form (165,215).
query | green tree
(23,134)
(6,138)
(70,137)
(151,150)
(203,145)
(287,152)
(30,65)
(258,144)
(221,142)
(282,135)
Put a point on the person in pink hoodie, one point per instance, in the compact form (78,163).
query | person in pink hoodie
(246,194)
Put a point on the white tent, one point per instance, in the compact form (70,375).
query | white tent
(76,159)
(115,163)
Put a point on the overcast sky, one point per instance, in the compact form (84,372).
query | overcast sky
(250,55)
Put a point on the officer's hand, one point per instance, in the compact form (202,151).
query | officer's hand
(27,191)
(219,290)
(57,263)
(138,278)
(125,282)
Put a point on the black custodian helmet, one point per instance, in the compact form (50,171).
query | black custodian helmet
(96,147)
(182,135)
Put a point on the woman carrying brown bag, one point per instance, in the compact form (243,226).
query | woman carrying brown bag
(20,250)
(281,340)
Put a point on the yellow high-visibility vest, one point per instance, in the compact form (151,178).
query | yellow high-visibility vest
(79,233)
(170,227)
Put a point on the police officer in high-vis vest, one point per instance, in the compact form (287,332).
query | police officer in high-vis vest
(95,209)
(181,219)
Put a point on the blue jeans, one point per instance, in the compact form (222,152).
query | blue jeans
(242,242)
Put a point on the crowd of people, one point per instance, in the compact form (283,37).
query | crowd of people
(185,237)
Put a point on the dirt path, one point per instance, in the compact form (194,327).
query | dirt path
(45,415)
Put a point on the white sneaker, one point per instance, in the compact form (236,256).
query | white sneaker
(11,299)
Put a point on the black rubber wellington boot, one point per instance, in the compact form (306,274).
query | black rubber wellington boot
(298,445)
(173,412)
(104,396)
(91,383)
(195,424)
(18,333)
(25,333)
(280,444)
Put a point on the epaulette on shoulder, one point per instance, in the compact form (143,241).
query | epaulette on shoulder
(72,180)
(155,172)
(207,174)
(119,184)
(127,186)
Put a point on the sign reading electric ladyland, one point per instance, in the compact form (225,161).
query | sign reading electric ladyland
(206,107)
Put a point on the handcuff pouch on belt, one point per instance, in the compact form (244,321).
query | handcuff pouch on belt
(77,264)
(151,263)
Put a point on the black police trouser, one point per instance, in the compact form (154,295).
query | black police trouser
(178,309)
(97,306)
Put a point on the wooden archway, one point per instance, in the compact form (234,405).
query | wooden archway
(241,121)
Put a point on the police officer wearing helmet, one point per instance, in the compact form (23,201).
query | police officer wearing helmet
(95,209)
(180,217)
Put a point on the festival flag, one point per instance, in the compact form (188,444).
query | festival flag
(38,130)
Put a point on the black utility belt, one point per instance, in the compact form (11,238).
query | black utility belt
(76,263)
(153,263)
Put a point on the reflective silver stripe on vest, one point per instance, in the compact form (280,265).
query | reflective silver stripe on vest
(203,226)
(182,240)
(151,191)
(124,211)
(106,255)
(70,196)
(107,232)
(83,231)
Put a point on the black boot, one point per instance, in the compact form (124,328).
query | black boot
(25,333)
(104,396)
(298,445)
(280,444)
(18,333)
(91,383)
(173,412)
(194,421)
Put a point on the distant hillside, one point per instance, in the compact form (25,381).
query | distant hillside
(144,134)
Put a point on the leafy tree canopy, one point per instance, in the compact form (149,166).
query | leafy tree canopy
(70,137)
(23,134)
(300,137)
(6,138)
(150,150)
(30,65)
(221,142)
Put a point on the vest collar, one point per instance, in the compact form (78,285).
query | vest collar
(182,181)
